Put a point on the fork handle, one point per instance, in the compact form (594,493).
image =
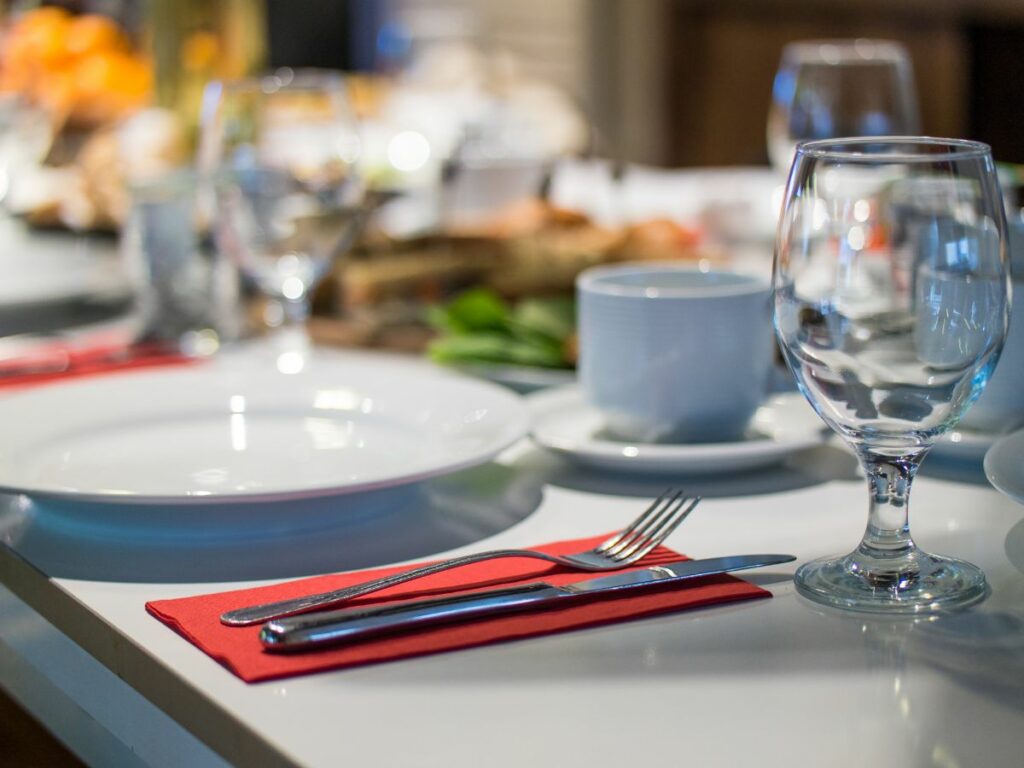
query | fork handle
(256,614)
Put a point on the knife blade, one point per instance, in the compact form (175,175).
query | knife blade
(312,631)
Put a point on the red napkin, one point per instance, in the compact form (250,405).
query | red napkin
(239,649)
(59,363)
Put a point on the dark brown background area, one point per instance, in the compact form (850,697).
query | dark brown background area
(968,60)
(23,742)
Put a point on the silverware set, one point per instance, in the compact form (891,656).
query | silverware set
(333,627)
(625,548)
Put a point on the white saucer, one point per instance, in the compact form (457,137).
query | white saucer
(564,422)
(236,428)
(1004,465)
(963,445)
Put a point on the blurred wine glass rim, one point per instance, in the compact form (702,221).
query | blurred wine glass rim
(846,52)
(894,149)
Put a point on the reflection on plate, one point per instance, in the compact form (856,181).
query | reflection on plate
(238,429)
(564,422)
(1004,465)
(963,445)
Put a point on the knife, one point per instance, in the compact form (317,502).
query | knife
(302,633)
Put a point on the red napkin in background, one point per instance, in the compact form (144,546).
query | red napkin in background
(59,363)
(239,649)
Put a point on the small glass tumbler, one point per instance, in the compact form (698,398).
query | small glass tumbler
(188,295)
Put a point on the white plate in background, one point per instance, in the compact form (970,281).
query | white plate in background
(1004,465)
(43,266)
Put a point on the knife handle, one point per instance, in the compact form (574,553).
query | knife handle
(302,633)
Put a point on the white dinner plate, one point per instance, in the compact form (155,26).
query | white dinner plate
(1004,465)
(565,423)
(236,428)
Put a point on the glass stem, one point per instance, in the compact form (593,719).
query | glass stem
(294,311)
(888,533)
(287,321)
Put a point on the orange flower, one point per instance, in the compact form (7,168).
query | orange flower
(109,84)
(91,33)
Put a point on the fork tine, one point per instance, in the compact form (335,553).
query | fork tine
(630,529)
(630,545)
(637,533)
(665,530)
(668,523)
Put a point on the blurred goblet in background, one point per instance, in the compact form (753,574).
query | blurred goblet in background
(891,307)
(280,154)
(832,88)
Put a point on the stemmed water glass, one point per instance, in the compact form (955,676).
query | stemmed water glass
(829,88)
(891,305)
(280,155)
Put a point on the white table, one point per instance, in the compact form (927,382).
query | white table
(775,682)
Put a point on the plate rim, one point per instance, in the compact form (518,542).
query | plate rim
(991,456)
(516,426)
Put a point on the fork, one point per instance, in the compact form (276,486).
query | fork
(624,548)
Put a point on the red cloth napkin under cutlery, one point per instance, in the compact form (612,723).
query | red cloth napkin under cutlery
(197,618)
(60,362)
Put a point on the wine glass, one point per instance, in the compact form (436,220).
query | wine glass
(280,154)
(891,295)
(830,88)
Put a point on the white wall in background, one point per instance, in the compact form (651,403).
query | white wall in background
(609,55)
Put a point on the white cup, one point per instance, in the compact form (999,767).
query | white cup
(188,293)
(673,354)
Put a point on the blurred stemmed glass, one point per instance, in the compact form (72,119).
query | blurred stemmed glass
(280,156)
(826,89)
(891,306)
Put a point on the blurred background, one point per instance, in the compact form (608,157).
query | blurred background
(504,146)
(670,82)
(687,82)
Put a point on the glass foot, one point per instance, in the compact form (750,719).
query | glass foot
(914,583)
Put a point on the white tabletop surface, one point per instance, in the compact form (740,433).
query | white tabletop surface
(778,682)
